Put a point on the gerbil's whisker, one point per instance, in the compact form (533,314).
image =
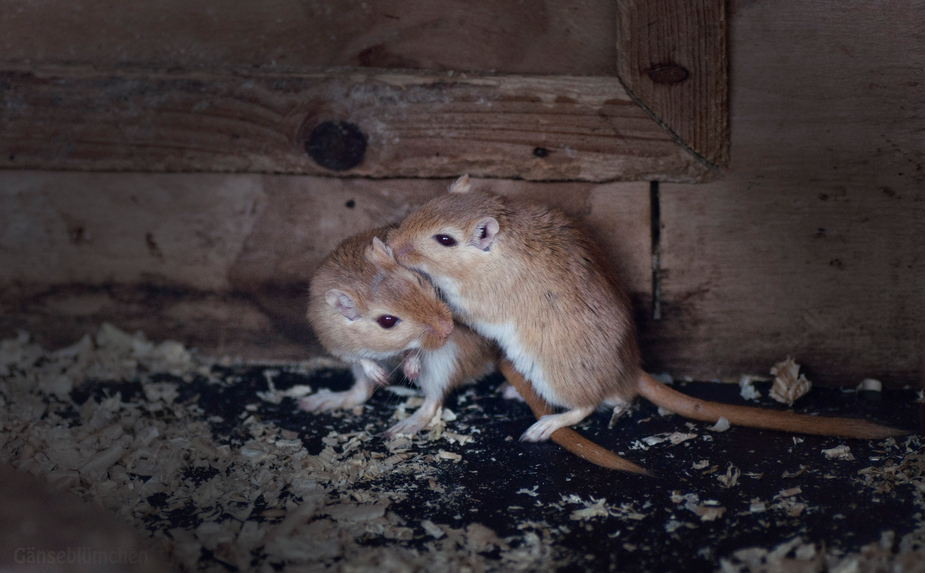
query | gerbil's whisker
(397,367)
(404,359)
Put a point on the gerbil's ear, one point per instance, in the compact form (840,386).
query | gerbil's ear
(461,185)
(379,253)
(483,235)
(342,303)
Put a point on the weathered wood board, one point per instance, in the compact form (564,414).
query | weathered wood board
(673,59)
(548,37)
(813,244)
(392,89)
(406,125)
(223,262)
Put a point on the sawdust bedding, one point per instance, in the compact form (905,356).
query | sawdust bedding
(212,463)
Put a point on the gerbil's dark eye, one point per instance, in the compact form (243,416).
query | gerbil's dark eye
(445,240)
(387,321)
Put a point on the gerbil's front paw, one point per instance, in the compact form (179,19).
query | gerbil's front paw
(412,365)
(325,401)
(374,372)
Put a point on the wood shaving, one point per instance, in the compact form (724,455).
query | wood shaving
(444,455)
(253,497)
(673,438)
(619,410)
(731,477)
(747,387)
(261,502)
(599,508)
(710,512)
(788,384)
(841,452)
(870,385)
(791,556)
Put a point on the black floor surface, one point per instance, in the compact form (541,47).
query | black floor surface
(644,523)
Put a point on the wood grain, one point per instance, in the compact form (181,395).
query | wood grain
(551,37)
(672,57)
(813,244)
(415,125)
(222,262)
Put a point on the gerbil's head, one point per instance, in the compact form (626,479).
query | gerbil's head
(383,310)
(450,237)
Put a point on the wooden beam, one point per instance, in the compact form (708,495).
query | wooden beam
(358,123)
(671,55)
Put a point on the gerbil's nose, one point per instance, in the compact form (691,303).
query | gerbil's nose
(444,327)
(437,333)
(401,249)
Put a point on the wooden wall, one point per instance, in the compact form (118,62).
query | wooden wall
(813,243)
(810,243)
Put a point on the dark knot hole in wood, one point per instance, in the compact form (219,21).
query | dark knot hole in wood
(667,74)
(336,145)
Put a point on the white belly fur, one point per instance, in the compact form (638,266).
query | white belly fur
(438,368)
(525,363)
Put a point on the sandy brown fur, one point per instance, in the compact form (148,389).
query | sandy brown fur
(384,287)
(537,285)
(458,356)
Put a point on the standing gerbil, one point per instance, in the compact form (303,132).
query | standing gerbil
(525,276)
(369,311)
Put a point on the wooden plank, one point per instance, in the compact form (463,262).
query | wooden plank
(554,37)
(672,58)
(222,262)
(749,278)
(412,125)
(813,244)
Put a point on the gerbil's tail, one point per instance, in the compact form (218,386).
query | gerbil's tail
(665,397)
(567,437)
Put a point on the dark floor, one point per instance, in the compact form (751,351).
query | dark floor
(787,488)
(225,474)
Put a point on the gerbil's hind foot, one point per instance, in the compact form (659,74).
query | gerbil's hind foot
(546,425)
(324,400)
(417,421)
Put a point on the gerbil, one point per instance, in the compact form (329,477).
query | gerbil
(369,311)
(525,276)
